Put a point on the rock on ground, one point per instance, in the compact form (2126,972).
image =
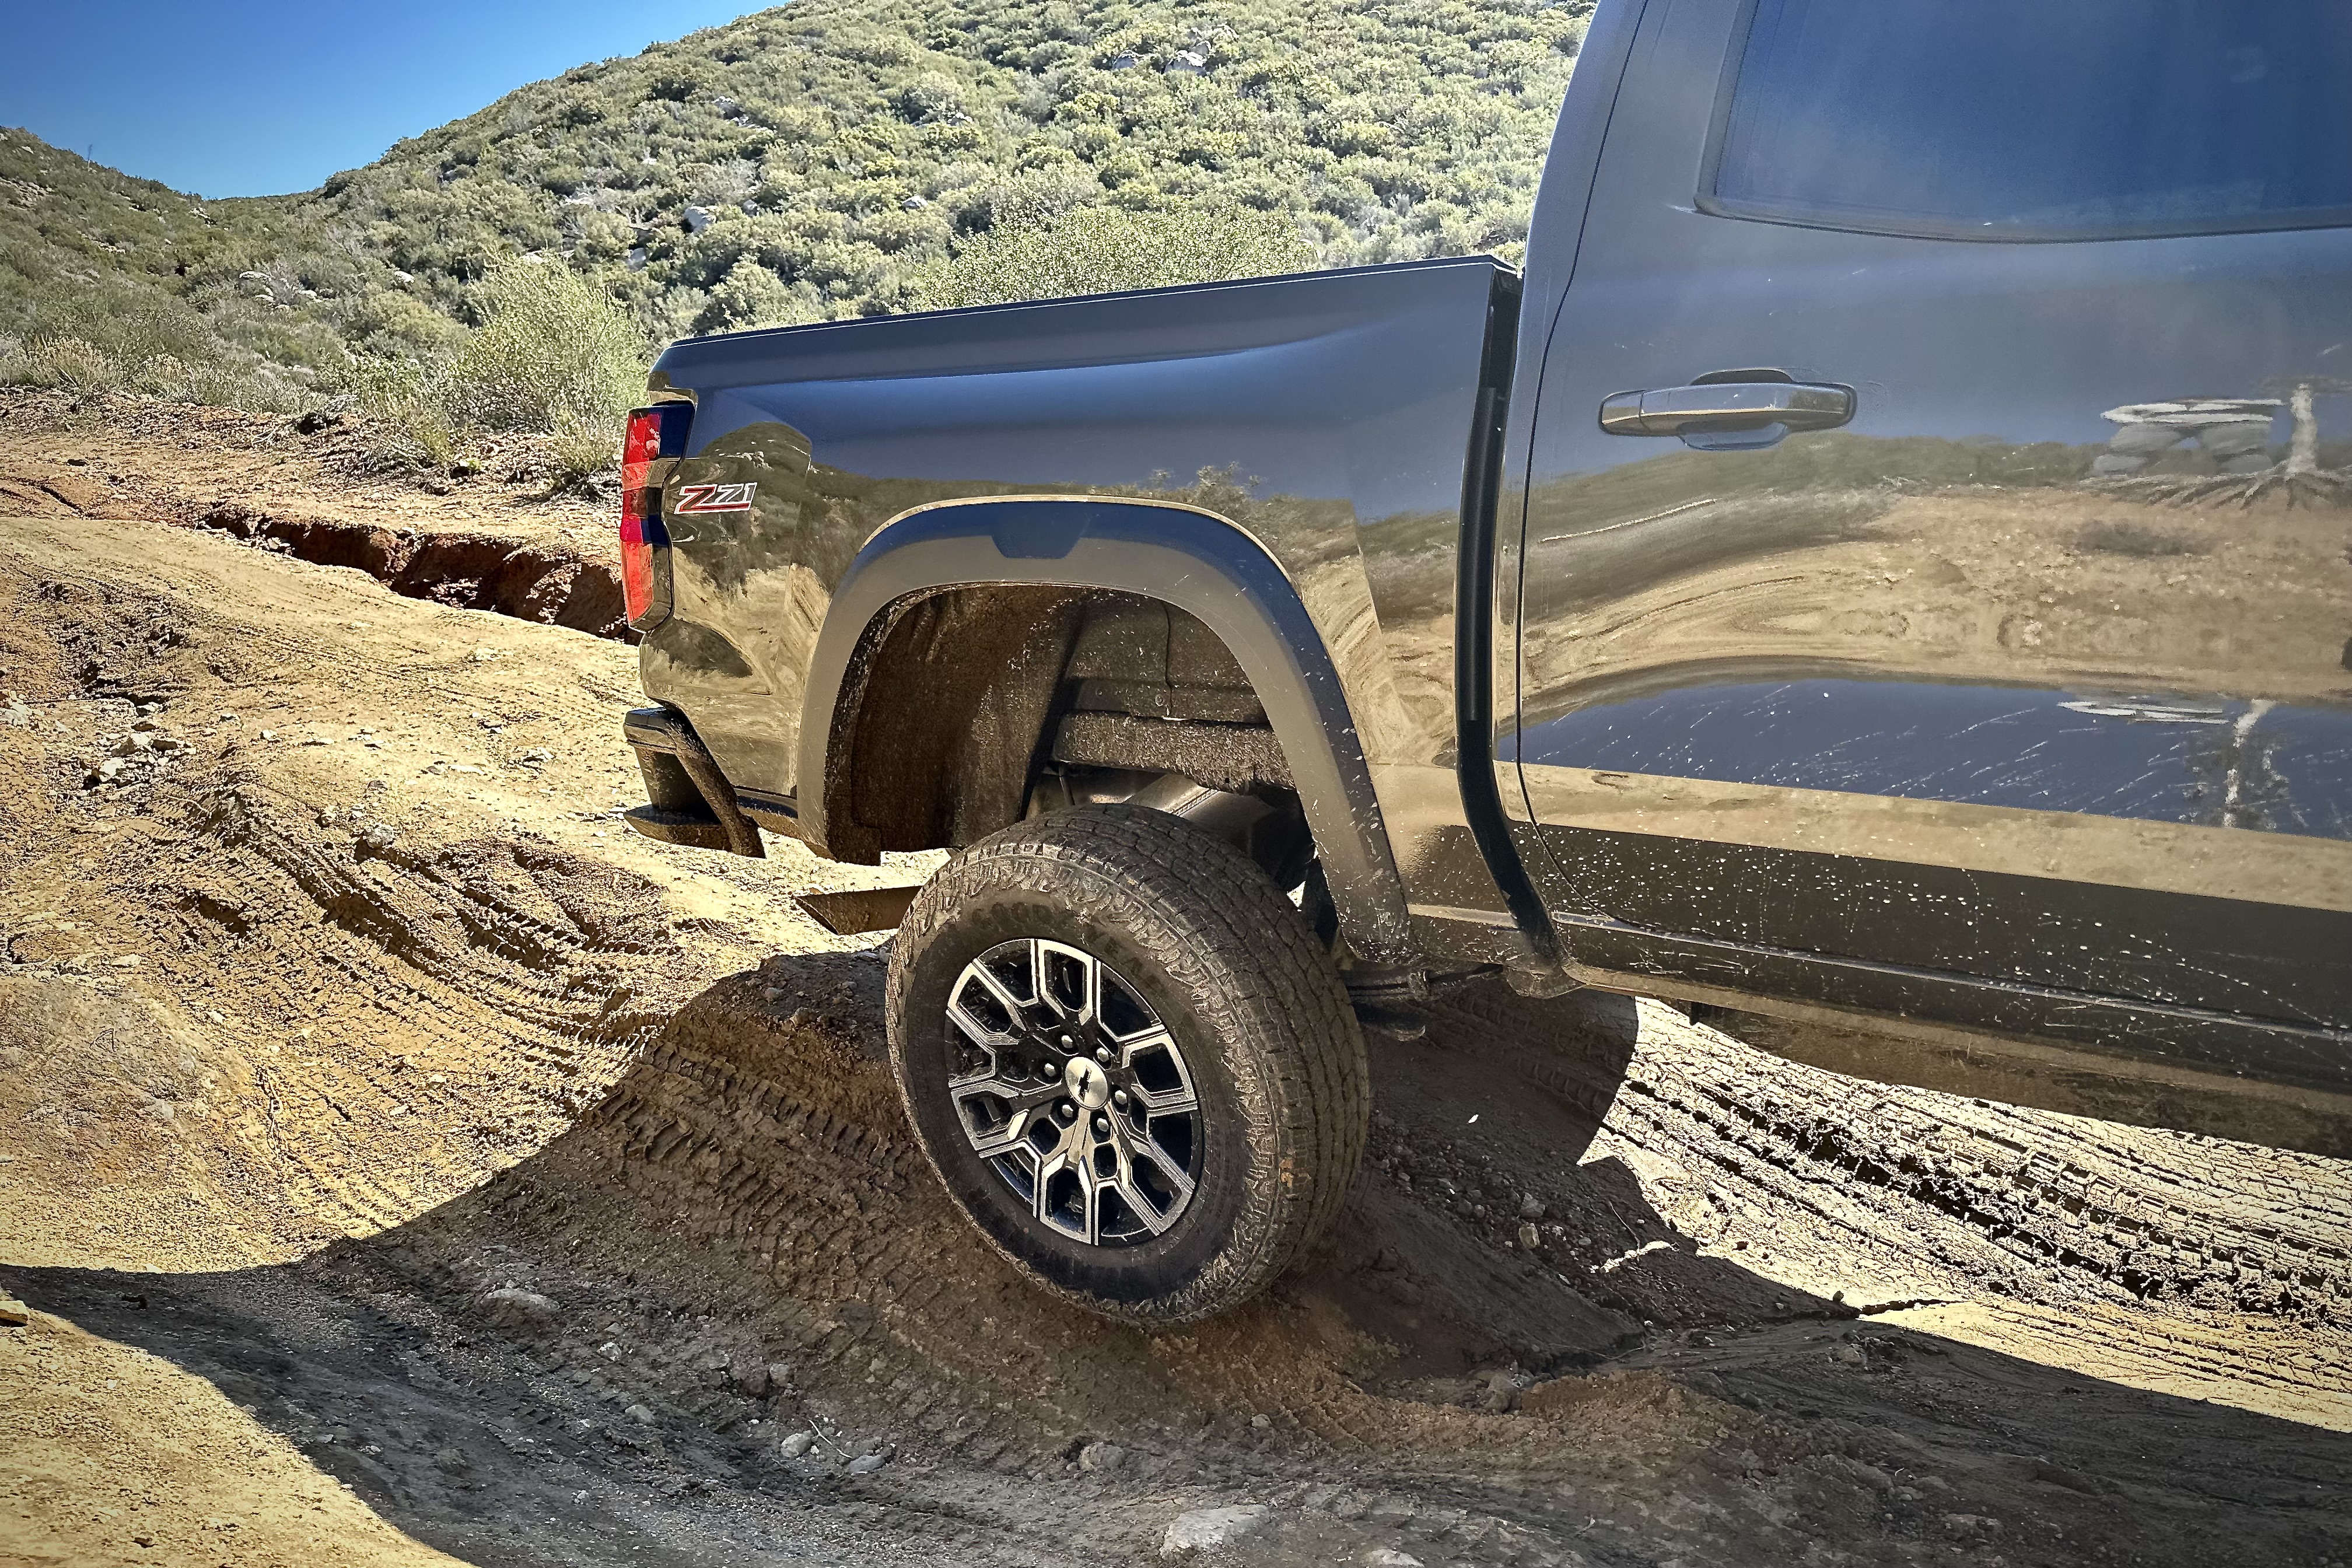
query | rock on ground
(1206,1529)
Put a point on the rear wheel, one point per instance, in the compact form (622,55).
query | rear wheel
(1128,1060)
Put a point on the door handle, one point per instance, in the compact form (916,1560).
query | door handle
(1709,408)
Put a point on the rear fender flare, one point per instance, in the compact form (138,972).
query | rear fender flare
(1182,555)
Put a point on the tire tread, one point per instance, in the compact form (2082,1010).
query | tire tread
(1218,926)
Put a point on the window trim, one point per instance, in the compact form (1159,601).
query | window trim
(1794,214)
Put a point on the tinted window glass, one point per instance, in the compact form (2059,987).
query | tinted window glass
(2043,119)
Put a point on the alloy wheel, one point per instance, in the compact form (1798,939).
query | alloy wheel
(1067,1085)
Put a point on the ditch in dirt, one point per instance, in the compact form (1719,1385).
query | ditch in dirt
(465,571)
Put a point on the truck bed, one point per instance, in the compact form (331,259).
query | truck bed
(1328,413)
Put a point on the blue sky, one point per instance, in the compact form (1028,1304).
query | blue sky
(262,97)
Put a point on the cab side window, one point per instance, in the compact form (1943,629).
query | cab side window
(2031,120)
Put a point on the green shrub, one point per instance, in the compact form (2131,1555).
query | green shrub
(163,376)
(403,404)
(128,327)
(582,451)
(752,296)
(73,365)
(262,389)
(553,354)
(1095,251)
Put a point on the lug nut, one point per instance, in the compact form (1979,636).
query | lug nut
(1118,1098)
(1102,1126)
(1067,1112)
(1102,1054)
(1068,1043)
(1052,1069)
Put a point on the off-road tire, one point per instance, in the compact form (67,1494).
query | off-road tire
(1235,975)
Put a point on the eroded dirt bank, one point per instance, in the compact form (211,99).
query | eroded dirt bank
(402,1160)
(496,531)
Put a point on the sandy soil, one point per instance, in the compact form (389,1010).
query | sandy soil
(401,1161)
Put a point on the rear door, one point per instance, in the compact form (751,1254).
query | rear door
(1985,655)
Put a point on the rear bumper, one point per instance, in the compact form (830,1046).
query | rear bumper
(689,800)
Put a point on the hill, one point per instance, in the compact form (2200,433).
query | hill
(107,281)
(842,147)
(829,158)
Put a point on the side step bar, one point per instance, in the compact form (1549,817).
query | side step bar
(858,909)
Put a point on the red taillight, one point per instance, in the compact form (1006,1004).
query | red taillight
(637,569)
(656,432)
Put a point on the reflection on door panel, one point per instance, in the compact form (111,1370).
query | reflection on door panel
(2214,762)
(2038,670)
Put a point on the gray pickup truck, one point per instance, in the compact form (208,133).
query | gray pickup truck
(1881,569)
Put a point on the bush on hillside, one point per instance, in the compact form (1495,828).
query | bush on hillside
(552,356)
(752,295)
(1097,251)
(70,363)
(405,407)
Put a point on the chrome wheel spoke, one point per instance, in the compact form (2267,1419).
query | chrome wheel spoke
(994,1086)
(1178,1101)
(1068,1159)
(1009,1139)
(1153,1032)
(1090,1202)
(1108,1149)
(1175,1174)
(1021,1102)
(1089,1002)
(977,1033)
(1156,1046)
(1146,1207)
(1014,1009)
(1154,1038)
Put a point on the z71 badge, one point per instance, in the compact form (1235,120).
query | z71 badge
(700,501)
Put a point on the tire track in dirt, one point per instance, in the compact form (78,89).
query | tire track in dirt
(765,1160)
(1898,1194)
(471,991)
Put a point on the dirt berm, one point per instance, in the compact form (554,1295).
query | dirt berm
(398,1159)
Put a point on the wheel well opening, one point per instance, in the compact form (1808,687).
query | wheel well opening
(968,709)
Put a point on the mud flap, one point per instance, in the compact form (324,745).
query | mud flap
(693,802)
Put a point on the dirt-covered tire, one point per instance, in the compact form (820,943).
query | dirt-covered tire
(1193,946)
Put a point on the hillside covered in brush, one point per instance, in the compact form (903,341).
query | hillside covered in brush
(825,158)
(106,281)
(820,159)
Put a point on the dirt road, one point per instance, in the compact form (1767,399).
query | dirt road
(399,1159)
